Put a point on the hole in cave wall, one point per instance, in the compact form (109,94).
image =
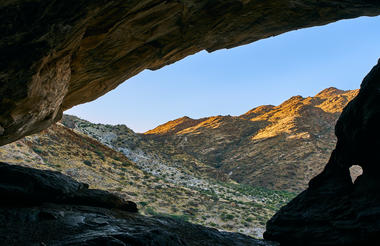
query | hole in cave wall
(355,172)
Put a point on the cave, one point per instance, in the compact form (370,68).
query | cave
(58,54)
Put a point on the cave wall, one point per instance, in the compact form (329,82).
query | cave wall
(334,210)
(57,54)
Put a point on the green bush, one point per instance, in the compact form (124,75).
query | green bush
(100,154)
(226,217)
(88,163)
(126,164)
(143,204)
(37,151)
(249,219)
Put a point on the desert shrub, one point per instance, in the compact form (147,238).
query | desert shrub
(226,217)
(126,164)
(143,204)
(249,219)
(37,150)
(87,162)
(100,154)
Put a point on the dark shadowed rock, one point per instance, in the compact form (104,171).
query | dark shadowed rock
(333,210)
(21,186)
(57,54)
(59,225)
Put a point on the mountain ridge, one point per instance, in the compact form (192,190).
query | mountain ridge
(299,128)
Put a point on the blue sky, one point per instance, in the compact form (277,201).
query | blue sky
(233,81)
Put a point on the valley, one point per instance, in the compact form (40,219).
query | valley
(228,172)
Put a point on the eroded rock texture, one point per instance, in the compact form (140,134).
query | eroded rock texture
(57,54)
(48,208)
(333,210)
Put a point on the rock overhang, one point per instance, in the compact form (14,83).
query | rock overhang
(57,54)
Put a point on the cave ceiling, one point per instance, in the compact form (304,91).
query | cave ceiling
(58,54)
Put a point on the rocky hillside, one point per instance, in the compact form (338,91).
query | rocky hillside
(157,188)
(219,171)
(277,147)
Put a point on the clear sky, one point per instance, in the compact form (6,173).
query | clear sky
(233,81)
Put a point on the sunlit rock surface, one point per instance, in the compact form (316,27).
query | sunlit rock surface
(277,147)
(57,54)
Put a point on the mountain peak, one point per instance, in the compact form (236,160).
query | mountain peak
(331,91)
(257,111)
(173,126)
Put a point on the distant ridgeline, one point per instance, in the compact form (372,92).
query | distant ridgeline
(276,147)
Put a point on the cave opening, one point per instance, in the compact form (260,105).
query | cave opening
(228,172)
(355,172)
(227,165)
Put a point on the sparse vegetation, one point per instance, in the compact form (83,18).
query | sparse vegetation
(159,189)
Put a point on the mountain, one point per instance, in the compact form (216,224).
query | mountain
(277,147)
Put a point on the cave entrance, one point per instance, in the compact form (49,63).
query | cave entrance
(227,172)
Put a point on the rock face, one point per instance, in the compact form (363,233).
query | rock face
(57,54)
(48,208)
(333,210)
